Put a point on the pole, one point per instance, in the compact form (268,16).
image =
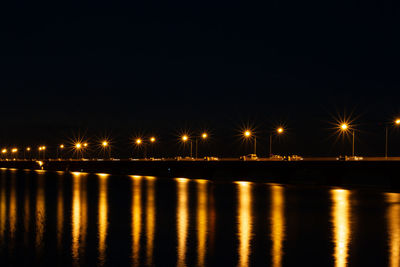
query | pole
(270,145)
(386,142)
(255,145)
(191,154)
(353,145)
(196,149)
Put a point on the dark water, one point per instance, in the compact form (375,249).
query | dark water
(51,219)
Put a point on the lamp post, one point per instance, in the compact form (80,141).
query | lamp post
(344,127)
(396,123)
(203,136)
(186,138)
(61,147)
(78,147)
(248,134)
(106,147)
(152,141)
(27,150)
(139,142)
(279,130)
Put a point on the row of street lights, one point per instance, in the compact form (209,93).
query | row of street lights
(79,147)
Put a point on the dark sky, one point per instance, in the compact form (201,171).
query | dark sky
(124,67)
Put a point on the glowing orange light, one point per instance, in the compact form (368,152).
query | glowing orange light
(138,141)
(344,126)
(204,135)
(247,133)
(85,144)
(104,144)
(397,121)
(14,150)
(4,151)
(280,130)
(152,139)
(28,149)
(78,145)
(185,138)
(61,146)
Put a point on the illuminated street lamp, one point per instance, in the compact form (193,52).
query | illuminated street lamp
(106,146)
(27,150)
(14,152)
(203,137)
(78,147)
(4,152)
(248,134)
(186,138)
(278,131)
(396,123)
(345,127)
(61,148)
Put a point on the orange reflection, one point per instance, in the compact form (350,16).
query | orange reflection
(103,217)
(202,221)
(13,209)
(277,224)
(182,219)
(150,220)
(136,218)
(60,213)
(245,222)
(26,212)
(341,225)
(393,217)
(3,209)
(40,219)
(78,216)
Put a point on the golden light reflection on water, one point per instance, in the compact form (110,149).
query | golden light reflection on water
(40,216)
(102,217)
(202,221)
(150,220)
(13,209)
(182,219)
(3,209)
(136,218)
(245,222)
(78,216)
(26,212)
(341,225)
(60,212)
(277,224)
(393,219)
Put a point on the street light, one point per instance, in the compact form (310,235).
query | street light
(78,147)
(61,147)
(345,127)
(248,134)
(186,138)
(106,146)
(279,130)
(396,123)
(203,136)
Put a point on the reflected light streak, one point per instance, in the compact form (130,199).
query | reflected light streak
(393,220)
(13,210)
(60,213)
(3,209)
(182,219)
(103,217)
(136,218)
(150,220)
(202,221)
(26,212)
(244,220)
(277,224)
(40,217)
(78,216)
(341,225)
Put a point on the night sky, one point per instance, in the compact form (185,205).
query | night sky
(128,67)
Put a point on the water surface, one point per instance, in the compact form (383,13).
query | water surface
(79,219)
